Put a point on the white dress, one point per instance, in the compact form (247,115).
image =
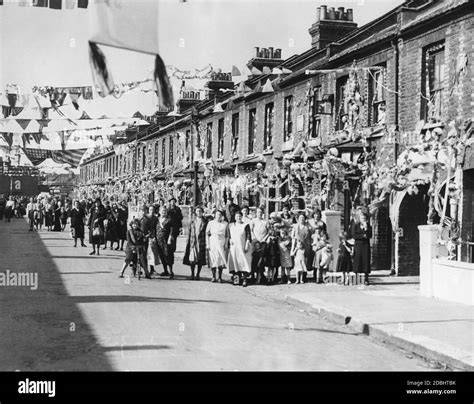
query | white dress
(300,264)
(239,260)
(217,232)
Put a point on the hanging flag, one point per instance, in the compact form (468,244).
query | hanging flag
(37,156)
(132,26)
(40,3)
(55,4)
(71,157)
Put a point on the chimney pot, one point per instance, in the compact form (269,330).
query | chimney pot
(257,51)
(349,14)
(318,14)
(277,53)
(324,12)
(332,13)
(270,50)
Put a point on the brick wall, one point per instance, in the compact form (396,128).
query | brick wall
(458,100)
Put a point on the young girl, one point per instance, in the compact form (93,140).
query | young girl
(322,256)
(285,256)
(272,255)
(344,261)
(135,245)
(326,256)
(300,261)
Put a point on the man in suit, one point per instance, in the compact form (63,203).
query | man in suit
(230,210)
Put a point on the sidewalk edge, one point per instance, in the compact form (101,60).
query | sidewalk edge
(340,315)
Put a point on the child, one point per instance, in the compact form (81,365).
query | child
(344,261)
(285,257)
(300,261)
(272,255)
(322,256)
(135,245)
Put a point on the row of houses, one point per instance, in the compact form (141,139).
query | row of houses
(358,91)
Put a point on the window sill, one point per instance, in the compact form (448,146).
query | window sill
(220,160)
(267,152)
(287,146)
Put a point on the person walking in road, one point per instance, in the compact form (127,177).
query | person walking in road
(240,253)
(135,249)
(48,214)
(30,213)
(122,224)
(195,253)
(9,209)
(96,226)
(65,210)
(148,227)
(77,215)
(217,245)
(57,216)
(165,242)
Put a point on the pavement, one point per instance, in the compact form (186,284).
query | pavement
(84,317)
(392,311)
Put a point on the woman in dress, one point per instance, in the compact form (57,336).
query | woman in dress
(165,242)
(39,215)
(9,209)
(302,232)
(122,224)
(316,222)
(111,228)
(240,254)
(217,244)
(344,260)
(57,217)
(287,219)
(96,226)
(362,233)
(246,215)
(260,233)
(48,214)
(65,210)
(195,253)
(77,223)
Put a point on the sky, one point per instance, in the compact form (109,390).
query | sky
(41,46)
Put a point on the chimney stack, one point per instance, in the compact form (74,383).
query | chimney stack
(331,25)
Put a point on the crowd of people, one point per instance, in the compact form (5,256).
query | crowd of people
(252,247)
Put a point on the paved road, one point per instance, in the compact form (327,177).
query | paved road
(83,317)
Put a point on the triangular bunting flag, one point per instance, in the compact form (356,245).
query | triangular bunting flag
(268,88)
(236,71)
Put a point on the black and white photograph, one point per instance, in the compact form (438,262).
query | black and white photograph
(216,186)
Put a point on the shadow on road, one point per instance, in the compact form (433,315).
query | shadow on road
(41,329)
(125,299)
(286,329)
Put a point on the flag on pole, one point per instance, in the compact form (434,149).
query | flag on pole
(127,25)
